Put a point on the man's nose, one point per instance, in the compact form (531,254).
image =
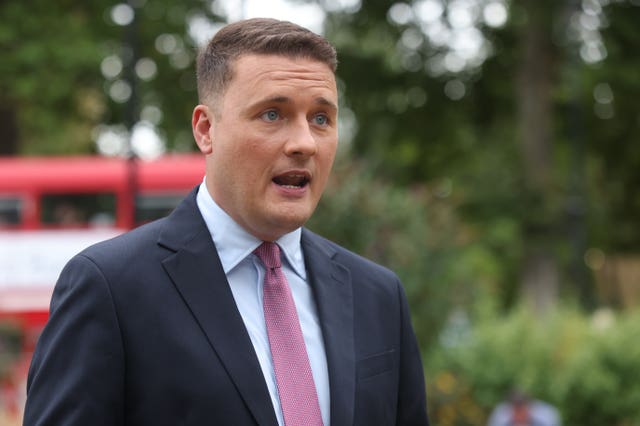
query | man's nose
(301,140)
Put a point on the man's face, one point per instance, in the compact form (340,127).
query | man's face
(273,138)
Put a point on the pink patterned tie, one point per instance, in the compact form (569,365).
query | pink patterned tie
(296,388)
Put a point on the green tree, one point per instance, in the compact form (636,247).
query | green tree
(53,87)
(49,74)
(515,132)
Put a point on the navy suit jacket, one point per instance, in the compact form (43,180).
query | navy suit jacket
(144,330)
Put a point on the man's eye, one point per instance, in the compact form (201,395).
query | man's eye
(270,115)
(321,119)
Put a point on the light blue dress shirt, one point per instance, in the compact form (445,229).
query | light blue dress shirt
(245,275)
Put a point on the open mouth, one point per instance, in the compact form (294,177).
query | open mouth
(292,180)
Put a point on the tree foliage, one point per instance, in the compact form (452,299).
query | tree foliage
(49,69)
(559,170)
(53,92)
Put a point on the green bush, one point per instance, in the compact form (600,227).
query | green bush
(412,231)
(587,366)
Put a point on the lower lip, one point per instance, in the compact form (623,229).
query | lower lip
(291,191)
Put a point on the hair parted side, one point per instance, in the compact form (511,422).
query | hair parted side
(255,36)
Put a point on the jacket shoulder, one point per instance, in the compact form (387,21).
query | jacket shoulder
(351,260)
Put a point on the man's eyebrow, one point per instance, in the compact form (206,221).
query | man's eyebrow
(275,99)
(326,102)
(267,101)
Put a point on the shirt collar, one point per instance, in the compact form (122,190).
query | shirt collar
(234,243)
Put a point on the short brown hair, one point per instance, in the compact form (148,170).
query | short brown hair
(259,36)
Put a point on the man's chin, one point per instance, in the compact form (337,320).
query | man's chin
(290,220)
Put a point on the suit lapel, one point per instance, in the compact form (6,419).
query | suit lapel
(331,284)
(197,273)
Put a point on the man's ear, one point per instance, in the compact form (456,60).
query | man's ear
(201,122)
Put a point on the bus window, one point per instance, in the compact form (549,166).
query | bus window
(10,209)
(154,206)
(73,210)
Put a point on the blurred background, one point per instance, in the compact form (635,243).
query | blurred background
(490,154)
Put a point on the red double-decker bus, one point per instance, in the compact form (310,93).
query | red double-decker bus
(53,207)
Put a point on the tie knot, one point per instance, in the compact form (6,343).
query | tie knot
(269,254)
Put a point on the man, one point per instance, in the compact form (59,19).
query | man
(522,410)
(228,312)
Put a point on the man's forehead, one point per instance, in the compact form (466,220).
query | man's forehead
(265,72)
(250,57)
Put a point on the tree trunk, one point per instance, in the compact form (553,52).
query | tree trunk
(8,131)
(535,83)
